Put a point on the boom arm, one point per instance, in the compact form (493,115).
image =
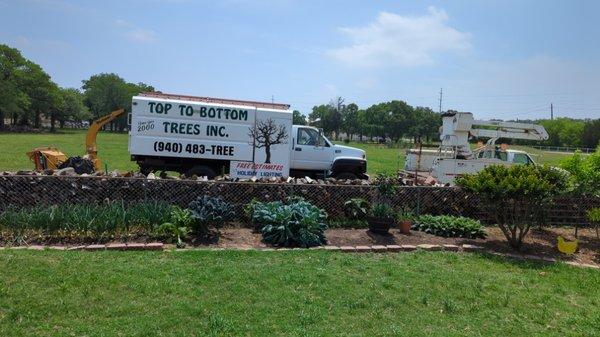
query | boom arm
(458,126)
(511,130)
(90,139)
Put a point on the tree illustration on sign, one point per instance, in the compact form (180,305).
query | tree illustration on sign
(267,133)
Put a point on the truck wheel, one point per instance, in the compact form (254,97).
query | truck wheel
(346,176)
(201,171)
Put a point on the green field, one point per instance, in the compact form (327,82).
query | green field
(295,293)
(112,149)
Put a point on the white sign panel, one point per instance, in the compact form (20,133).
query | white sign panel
(165,127)
(256,142)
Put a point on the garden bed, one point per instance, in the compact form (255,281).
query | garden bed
(540,242)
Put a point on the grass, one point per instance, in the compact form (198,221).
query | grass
(112,148)
(295,293)
(113,151)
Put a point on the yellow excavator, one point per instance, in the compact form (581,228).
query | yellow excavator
(49,157)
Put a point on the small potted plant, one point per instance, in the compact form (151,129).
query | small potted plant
(382,218)
(405,221)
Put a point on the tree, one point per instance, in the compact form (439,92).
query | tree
(591,134)
(72,107)
(516,196)
(298,118)
(350,120)
(108,92)
(44,95)
(13,100)
(267,133)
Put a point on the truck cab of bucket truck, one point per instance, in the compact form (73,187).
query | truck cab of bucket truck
(314,155)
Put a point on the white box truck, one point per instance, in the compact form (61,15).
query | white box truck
(205,136)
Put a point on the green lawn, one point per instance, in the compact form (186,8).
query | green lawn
(112,149)
(295,293)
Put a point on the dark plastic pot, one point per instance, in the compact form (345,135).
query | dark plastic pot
(381,225)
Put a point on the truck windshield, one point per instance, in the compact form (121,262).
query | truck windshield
(309,137)
(521,158)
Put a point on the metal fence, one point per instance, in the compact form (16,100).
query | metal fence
(30,191)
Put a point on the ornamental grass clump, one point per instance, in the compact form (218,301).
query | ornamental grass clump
(517,196)
(296,223)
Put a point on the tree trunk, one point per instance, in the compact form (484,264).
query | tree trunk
(268,153)
(52,123)
(37,120)
(1,120)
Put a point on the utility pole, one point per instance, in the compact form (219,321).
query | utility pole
(441,95)
(551,111)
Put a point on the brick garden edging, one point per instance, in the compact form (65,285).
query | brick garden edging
(346,249)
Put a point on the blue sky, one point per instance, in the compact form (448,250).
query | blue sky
(497,59)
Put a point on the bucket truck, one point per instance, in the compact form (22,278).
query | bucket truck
(455,156)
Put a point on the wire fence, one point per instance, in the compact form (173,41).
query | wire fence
(31,191)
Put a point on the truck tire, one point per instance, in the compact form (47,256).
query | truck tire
(346,176)
(201,171)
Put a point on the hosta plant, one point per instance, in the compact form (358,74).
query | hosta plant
(295,223)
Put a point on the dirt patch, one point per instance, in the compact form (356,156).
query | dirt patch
(540,242)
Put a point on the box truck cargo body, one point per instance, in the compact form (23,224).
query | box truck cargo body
(207,137)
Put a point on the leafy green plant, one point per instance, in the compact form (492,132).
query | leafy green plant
(297,223)
(449,226)
(179,226)
(405,216)
(357,208)
(516,196)
(593,215)
(207,211)
(585,172)
(386,185)
(383,211)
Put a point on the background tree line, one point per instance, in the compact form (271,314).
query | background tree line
(28,94)
(393,120)
(568,132)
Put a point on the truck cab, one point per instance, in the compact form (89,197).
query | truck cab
(314,155)
(510,156)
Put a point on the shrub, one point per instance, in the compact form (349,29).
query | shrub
(516,196)
(585,172)
(449,226)
(210,211)
(297,223)
(357,208)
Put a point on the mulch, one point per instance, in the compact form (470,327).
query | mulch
(539,242)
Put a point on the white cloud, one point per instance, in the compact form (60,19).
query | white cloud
(401,40)
(136,34)
(142,35)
